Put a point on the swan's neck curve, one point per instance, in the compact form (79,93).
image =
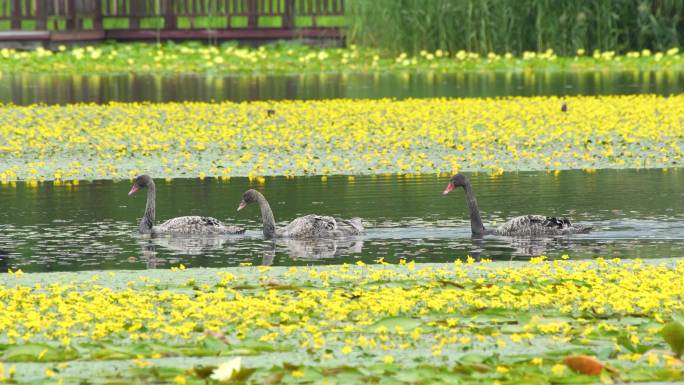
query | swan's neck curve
(476,225)
(148,219)
(267,219)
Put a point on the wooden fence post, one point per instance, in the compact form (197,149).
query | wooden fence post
(71,22)
(41,15)
(16,14)
(97,15)
(134,15)
(169,15)
(252,17)
(288,15)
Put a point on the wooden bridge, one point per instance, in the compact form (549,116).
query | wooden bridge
(48,21)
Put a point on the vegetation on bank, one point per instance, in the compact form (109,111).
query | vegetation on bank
(537,323)
(415,136)
(230,59)
(485,26)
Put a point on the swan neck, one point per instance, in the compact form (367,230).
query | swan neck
(476,225)
(148,219)
(267,218)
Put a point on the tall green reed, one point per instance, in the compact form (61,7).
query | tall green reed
(516,25)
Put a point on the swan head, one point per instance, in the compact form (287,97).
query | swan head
(458,180)
(141,181)
(248,197)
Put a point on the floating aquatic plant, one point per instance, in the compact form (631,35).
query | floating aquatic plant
(258,139)
(560,321)
(230,59)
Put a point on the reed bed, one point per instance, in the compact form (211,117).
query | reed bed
(516,26)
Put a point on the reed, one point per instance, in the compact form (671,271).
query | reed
(516,26)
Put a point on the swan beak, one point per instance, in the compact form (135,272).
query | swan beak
(449,188)
(134,188)
(242,205)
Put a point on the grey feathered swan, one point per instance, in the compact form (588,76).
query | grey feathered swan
(306,227)
(525,225)
(188,225)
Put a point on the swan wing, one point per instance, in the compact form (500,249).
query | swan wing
(196,225)
(309,226)
(564,226)
(521,223)
(540,225)
(353,226)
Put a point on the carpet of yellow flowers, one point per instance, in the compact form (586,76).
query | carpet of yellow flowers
(339,137)
(230,60)
(464,322)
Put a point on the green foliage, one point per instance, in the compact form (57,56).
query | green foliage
(515,26)
(513,325)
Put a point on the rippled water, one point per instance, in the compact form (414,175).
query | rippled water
(61,89)
(92,225)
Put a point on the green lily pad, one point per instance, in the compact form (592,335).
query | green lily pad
(37,353)
(392,323)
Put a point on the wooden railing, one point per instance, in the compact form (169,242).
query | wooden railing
(174,18)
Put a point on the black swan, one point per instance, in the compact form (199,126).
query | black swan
(525,225)
(306,227)
(189,225)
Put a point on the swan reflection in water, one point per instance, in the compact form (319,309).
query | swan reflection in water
(524,247)
(521,248)
(178,245)
(312,249)
(534,247)
(192,245)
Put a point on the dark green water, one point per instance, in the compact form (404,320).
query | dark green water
(92,225)
(62,89)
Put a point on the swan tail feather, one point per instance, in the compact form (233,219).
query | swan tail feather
(355,224)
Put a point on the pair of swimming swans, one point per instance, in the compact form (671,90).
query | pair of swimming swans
(306,227)
(318,226)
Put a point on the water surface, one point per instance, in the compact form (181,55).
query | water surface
(62,89)
(637,214)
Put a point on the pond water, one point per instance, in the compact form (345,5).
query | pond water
(61,89)
(93,225)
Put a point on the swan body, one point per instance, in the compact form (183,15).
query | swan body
(307,227)
(525,225)
(319,226)
(532,225)
(187,225)
(196,225)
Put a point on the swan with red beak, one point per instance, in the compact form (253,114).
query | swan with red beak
(187,225)
(522,226)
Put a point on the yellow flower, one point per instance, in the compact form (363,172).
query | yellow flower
(558,369)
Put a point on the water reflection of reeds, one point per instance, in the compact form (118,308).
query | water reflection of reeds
(62,89)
